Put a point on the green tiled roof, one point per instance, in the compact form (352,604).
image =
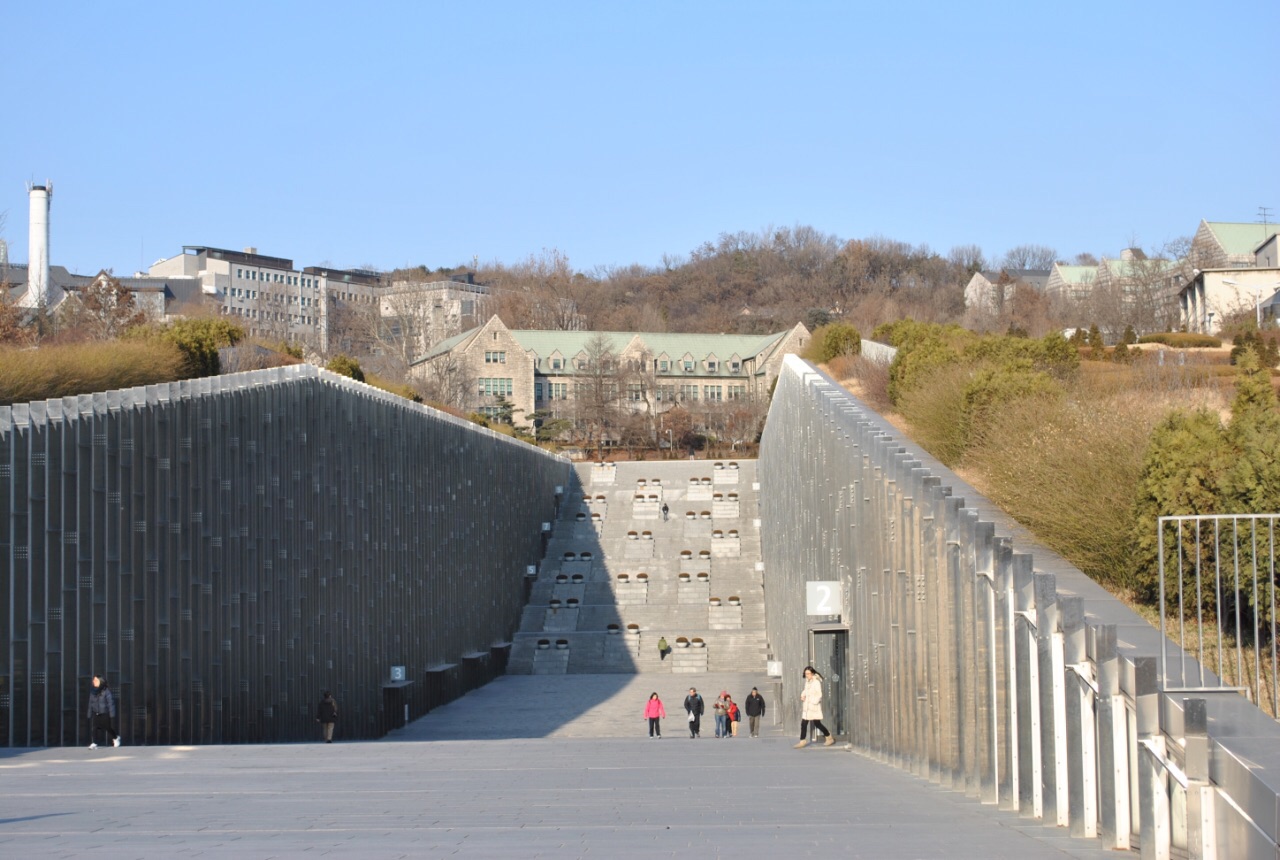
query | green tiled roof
(543,343)
(1237,238)
(447,344)
(570,343)
(1076,274)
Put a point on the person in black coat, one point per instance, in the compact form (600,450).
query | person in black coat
(102,714)
(694,706)
(327,715)
(755,710)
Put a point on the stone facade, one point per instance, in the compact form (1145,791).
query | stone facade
(655,371)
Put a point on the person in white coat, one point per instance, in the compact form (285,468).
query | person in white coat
(811,709)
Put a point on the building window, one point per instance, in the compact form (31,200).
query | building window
(711,366)
(496,357)
(664,366)
(666,393)
(737,392)
(735,366)
(688,367)
(635,392)
(712,392)
(537,391)
(688,392)
(495,387)
(559,390)
(557,363)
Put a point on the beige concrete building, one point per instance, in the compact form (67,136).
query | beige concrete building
(333,310)
(1216,294)
(1237,273)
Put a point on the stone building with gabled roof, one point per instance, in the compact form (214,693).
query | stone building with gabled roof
(1070,282)
(1229,244)
(544,371)
(987,291)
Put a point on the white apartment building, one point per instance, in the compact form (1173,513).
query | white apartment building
(332,309)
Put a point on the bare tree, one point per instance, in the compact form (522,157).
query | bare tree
(103,310)
(967,259)
(1029,257)
(596,389)
(448,380)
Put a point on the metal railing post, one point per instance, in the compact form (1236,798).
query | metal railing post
(1201,835)
(1154,832)
(1113,743)
(1053,703)
(1082,746)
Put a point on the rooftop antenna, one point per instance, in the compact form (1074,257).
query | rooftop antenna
(1264,212)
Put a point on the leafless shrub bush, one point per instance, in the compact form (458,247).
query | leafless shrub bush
(868,379)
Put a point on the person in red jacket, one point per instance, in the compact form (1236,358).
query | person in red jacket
(655,712)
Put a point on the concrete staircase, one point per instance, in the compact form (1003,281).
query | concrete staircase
(617,577)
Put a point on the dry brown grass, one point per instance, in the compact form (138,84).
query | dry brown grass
(864,379)
(61,371)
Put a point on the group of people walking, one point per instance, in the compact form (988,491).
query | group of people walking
(728,715)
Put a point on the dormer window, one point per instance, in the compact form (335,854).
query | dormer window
(735,366)
(688,367)
(711,366)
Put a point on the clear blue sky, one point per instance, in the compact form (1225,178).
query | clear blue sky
(391,134)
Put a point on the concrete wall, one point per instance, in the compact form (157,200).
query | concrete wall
(223,549)
(983,661)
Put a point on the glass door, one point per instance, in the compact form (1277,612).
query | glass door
(829,650)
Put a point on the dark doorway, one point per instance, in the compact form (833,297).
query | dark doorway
(829,651)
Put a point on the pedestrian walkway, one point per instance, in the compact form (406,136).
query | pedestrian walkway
(514,769)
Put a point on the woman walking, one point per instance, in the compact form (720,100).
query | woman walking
(102,714)
(327,715)
(811,709)
(655,713)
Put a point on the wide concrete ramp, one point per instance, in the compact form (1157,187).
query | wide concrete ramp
(495,788)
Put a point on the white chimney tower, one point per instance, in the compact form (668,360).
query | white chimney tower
(38,246)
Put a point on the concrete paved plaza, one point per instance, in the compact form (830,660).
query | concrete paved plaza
(528,766)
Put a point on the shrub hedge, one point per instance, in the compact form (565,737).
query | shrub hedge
(1182,340)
